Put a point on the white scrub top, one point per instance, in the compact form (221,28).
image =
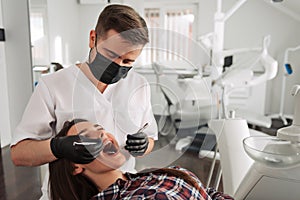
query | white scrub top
(122,109)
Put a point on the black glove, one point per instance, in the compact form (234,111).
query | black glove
(137,144)
(76,148)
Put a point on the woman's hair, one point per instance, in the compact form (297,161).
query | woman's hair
(63,184)
(126,21)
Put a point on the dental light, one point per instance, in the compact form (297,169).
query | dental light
(244,77)
(241,77)
(234,77)
(215,40)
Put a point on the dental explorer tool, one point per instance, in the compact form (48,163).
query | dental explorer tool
(143,128)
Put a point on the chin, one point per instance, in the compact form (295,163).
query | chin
(111,164)
(111,156)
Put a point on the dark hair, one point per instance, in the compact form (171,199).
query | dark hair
(63,184)
(126,21)
(58,66)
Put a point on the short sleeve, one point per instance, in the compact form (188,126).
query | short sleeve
(36,119)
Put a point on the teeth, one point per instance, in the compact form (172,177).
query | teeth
(111,152)
(109,148)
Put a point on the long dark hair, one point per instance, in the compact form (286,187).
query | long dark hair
(63,184)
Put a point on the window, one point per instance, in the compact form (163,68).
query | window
(39,38)
(36,26)
(171,32)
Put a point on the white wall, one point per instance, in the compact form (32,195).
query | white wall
(63,21)
(72,22)
(5,129)
(88,20)
(16,76)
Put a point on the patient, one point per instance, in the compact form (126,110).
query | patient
(101,178)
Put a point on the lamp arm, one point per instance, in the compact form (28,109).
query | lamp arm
(233,9)
(286,52)
(241,50)
(271,69)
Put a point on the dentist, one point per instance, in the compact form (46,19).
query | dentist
(103,89)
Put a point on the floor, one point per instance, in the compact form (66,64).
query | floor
(22,183)
(165,154)
(18,182)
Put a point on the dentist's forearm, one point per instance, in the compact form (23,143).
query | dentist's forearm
(32,153)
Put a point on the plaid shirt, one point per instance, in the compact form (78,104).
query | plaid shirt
(153,186)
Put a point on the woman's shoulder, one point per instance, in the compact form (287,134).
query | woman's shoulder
(182,169)
(167,170)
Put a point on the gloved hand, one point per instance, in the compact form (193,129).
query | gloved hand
(76,148)
(137,144)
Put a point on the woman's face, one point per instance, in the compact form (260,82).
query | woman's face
(110,157)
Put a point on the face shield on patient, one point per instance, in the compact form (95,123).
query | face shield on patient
(110,155)
(85,176)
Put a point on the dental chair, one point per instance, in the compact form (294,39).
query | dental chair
(232,128)
(258,166)
(189,104)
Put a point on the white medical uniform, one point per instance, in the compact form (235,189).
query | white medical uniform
(121,109)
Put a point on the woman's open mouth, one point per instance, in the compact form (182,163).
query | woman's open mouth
(109,148)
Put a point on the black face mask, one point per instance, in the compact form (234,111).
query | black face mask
(106,70)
